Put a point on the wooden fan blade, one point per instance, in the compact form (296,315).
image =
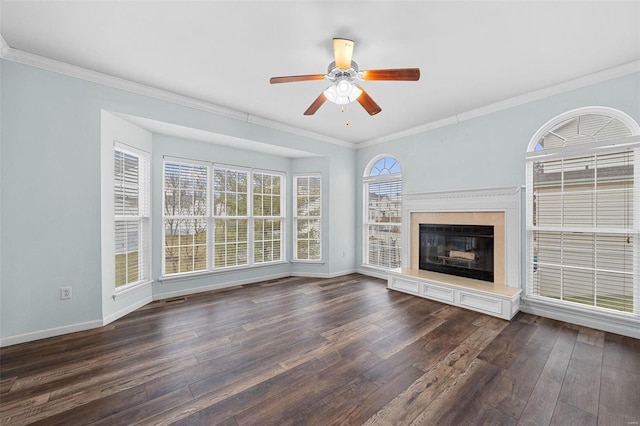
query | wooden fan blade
(316,104)
(399,74)
(367,103)
(294,78)
(343,51)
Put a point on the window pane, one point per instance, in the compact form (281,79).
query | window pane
(385,201)
(267,237)
(230,245)
(185,245)
(127,251)
(185,189)
(230,192)
(384,245)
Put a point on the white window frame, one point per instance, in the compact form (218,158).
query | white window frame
(280,218)
(297,217)
(367,180)
(166,217)
(212,217)
(143,218)
(628,144)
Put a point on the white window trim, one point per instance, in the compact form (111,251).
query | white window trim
(616,321)
(366,180)
(252,218)
(179,217)
(211,269)
(294,259)
(601,110)
(146,280)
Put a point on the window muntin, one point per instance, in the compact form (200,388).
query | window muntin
(308,217)
(245,216)
(383,214)
(132,195)
(583,241)
(385,166)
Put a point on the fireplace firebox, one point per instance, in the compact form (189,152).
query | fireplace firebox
(463,250)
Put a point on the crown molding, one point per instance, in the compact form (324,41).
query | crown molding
(15,55)
(4,47)
(567,86)
(264,122)
(410,131)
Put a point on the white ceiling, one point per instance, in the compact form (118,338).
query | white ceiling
(471,54)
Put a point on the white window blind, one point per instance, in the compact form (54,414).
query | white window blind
(582,216)
(218,217)
(132,206)
(267,217)
(231,217)
(308,217)
(185,217)
(383,214)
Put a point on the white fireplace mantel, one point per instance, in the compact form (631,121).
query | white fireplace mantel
(501,299)
(507,200)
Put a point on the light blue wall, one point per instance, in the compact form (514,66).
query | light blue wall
(488,151)
(51,195)
(50,200)
(50,181)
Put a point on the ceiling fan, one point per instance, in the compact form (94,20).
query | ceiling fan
(344,76)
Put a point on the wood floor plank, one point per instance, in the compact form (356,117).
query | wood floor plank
(458,403)
(410,403)
(541,404)
(516,384)
(309,351)
(567,414)
(619,397)
(622,352)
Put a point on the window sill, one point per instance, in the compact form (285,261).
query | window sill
(627,324)
(129,288)
(195,275)
(314,262)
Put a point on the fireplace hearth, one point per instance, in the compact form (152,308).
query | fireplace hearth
(462,250)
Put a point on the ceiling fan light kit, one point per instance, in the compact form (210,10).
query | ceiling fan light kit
(342,93)
(344,76)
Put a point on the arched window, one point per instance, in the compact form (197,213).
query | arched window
(382,213)
(582,220)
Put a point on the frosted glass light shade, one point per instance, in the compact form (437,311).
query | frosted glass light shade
(342,93)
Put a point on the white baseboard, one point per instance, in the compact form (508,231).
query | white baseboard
(226,284)
(323,274)
(124,311)
(50,332)
(376,273)
(625,326)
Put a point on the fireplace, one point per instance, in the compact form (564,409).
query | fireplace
(463,250)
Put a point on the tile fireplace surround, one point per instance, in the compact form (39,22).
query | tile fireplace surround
(499,207)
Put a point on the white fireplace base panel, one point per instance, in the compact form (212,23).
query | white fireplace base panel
(489,298)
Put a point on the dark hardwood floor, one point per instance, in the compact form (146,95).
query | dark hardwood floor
(302,351)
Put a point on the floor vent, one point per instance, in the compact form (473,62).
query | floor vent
(174,300)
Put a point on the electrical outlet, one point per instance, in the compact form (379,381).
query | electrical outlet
(65,293)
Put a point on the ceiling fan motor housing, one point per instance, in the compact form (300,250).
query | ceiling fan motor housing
(336,74)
